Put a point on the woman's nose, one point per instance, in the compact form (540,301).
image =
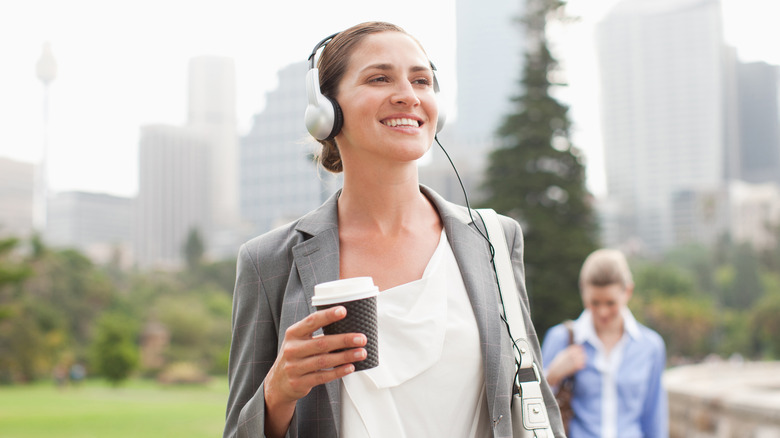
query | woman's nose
(404,93)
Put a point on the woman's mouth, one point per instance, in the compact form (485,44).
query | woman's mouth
(402,122)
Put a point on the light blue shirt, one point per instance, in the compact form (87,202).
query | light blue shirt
(617,395)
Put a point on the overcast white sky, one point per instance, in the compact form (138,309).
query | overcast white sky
(123,64)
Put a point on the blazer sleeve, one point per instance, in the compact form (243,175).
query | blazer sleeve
(252,349)
(514,236)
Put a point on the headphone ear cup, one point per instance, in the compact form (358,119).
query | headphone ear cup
(442,114)
(338,119)
(320,117)
(442,118)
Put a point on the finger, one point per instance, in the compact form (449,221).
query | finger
(323,344)
(322,377)
(315,321)
(315,364)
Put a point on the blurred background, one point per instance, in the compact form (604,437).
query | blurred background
(143,142)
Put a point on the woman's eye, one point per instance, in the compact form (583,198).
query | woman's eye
(379,79)
(423,81)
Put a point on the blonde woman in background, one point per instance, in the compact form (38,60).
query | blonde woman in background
(616,362)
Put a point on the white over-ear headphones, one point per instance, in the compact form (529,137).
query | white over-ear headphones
(323,116)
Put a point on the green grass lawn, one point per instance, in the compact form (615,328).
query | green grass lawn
(95,409)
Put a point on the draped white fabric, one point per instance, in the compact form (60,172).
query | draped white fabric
(430,379)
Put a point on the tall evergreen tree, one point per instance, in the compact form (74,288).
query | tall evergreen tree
(194,249)
(538,178)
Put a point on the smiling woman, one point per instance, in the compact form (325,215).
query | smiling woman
(446,366)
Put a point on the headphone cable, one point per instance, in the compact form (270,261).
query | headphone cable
(502,315)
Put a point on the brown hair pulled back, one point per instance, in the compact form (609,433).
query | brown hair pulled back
(332,64)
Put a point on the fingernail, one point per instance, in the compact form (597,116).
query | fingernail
(358,340)
(340,311)
(350,368)
(359,354)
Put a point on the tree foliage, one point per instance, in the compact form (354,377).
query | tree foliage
(52,302)
(115,351)
(685,323)
(11,271)
(538,178)
(765,324)
(48,311)
(15,328)
(692,296)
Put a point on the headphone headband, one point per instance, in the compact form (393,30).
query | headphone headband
(322,44)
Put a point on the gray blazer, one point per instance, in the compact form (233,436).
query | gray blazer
(275,281)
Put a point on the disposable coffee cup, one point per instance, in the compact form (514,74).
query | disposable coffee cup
(358,296)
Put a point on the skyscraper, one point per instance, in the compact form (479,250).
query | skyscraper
(489,58)
(212,113)
(759,133)
(174,193)
(188,175)
(279,178)
(664,101)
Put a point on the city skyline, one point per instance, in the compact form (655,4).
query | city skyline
(110,84)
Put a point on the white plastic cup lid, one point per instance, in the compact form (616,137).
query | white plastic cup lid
(347,289)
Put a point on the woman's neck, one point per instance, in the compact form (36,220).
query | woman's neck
(381,208)
(381,198)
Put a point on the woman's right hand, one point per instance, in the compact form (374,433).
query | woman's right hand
(305,361)
(566,363)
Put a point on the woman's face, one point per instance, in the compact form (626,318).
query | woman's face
(387,100)
(605,303)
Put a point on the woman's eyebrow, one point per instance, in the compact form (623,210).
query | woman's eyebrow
(387,67)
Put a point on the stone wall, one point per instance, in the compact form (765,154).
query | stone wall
(724,400)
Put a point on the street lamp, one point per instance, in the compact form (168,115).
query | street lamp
(46,69)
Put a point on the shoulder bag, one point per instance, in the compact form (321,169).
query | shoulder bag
(529,413)
(566,389)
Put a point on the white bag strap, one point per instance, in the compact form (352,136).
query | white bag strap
(528,377)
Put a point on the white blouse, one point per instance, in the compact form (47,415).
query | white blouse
(430,380)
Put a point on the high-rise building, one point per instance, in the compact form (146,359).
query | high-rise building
(212,112)
(174,193)
(99,225)
(17,188)
(759,133)
(664,107)
(489,57)
(489,54)
(188,176)
(280,180)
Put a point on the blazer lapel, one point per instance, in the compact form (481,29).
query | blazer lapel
(317,261)
(317,257)
(473,256)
